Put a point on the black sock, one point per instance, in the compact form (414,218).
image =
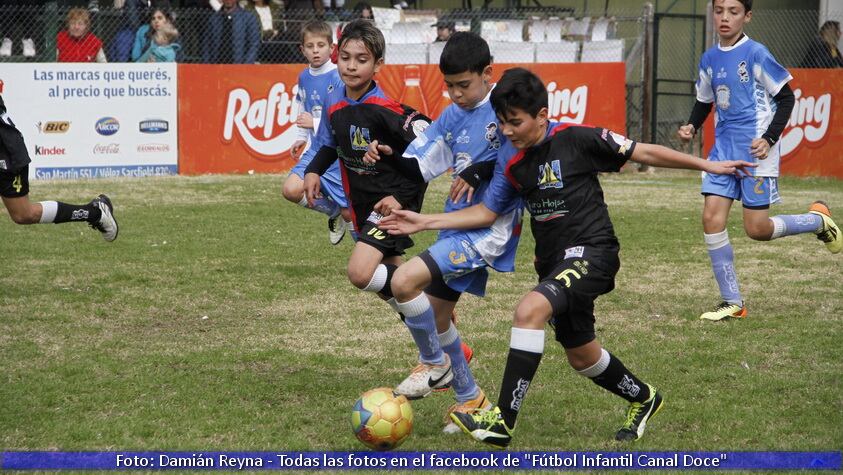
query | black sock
(520,369)
(66,213)
(619,380)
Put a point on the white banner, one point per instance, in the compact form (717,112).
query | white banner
(84,120)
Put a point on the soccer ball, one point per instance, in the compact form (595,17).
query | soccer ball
(381,419)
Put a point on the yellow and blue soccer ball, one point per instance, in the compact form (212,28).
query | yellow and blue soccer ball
(381,419)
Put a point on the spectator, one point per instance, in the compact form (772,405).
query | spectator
(18,22)
(77,44)
(823,51)
(158,18)
(444,30)
(233,36)
(131,14)
(163,47)
(362,10)
(267,13)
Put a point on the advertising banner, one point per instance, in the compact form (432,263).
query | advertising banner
(94,120)
(237,119)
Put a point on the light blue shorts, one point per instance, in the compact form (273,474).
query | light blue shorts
(331,182)
(461,267)
(754,192)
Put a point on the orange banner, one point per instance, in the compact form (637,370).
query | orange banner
(240,118)
(808,141)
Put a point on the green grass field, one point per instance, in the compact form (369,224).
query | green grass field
(105,346)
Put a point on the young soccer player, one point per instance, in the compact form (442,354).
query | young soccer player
(465,139)
(754,103)
(14,189)
(315,83)
(554,168)
(357,115)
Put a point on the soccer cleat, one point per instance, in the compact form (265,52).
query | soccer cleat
(829,233)
(725,310)
(107,225)
(425,378)
(485,426)
(638,415)
(336,229)
(480,402)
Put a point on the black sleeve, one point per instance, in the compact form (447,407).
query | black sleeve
(476,173)
(784,106)
(699,113)
(608,150)
(325,157)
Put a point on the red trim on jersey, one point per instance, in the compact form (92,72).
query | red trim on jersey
(385,102)
(507,170)
(347,189)
(339,105)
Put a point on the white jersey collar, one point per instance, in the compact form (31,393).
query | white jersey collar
(730,48)
(325,68)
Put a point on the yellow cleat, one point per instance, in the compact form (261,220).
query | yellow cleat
(480,402)
(725,310)
(829,233)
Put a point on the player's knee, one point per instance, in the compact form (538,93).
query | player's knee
(759,231)
(402,285)
(529,314)
(292,191)
(359,278)
(713,222)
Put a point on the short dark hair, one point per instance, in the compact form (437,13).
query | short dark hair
(747,5)
(366,32)
(463,52)
(519,88)
(830,25)
(317,28)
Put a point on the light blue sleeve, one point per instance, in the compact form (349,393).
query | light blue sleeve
(704,92)
(501,195)
(323,137)
(430,149)
(768,72)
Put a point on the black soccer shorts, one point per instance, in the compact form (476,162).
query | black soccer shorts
(14,184)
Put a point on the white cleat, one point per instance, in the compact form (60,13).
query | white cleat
(336,229)
(425,378)
(107,225)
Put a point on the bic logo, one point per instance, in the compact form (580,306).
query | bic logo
(54,127)
(377,234)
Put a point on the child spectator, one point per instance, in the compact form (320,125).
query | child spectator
(77,44)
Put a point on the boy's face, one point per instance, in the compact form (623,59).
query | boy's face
(316,48)
(467,89)
(522,129)
(357,65)
(730,16)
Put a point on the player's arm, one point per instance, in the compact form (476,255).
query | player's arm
(409,222)
(660,156)
(702,106)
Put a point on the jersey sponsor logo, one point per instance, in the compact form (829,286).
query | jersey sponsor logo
(566,105)
(49,151)
(153,126)
(359,138)
(264,125)
(519,393)
(723,94)
(809,122)
(550,175)
(743,74)
(106,149)
(628,386)
(547,209)
(492,136)
(53,127)
(107,126)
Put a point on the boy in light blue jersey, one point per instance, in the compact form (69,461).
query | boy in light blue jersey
(464,139)
(753,104)
(315,83)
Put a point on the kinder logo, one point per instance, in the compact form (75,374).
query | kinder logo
(264,125)
(53,127)
(153,148)
(809,121)
(107,149)
(565,105)
(49,151)
(154,126)
(107,126)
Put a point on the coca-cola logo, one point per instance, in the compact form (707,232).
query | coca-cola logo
(106,149)
(263,125)
(153,148)
(566,105)
(809,122)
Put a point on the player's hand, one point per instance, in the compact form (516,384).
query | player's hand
(686,132)
(305,120)
(729,167)
(312,187)
(760,148)
(460,187)
(297,148)
(373,154)
(402,222)
(387,205)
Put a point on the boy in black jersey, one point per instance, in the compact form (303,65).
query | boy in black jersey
(554,168)
(353,117)
(14,189)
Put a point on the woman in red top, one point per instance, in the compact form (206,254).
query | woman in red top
(77,44)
